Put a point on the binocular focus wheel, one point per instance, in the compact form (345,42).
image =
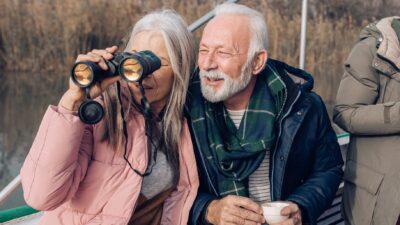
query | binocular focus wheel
(90,112)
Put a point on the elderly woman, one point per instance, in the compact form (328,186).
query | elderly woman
(116,172)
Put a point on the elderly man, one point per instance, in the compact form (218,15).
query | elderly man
(259,136)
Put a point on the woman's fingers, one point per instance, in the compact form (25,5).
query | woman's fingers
(86,57)
(112,49)
(98,56)
(99,60)
(103,53)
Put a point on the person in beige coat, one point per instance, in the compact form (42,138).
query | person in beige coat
(368,106)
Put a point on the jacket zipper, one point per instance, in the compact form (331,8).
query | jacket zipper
(276,147)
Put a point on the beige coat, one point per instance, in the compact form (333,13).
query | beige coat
(368,106)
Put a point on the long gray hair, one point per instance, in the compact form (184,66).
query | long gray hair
(180,47)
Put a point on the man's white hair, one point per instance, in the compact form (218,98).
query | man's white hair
(258,27)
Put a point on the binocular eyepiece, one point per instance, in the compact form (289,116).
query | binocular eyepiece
(133,67)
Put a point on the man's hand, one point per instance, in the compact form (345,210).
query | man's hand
(294,213)
(234,209)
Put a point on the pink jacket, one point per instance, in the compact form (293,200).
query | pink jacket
(77,179)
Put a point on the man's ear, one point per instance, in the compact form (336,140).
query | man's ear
(260,59)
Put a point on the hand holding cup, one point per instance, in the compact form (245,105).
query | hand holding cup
(281,213)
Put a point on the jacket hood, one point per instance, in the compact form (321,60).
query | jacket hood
(296,81)
(301,78)
(387,41)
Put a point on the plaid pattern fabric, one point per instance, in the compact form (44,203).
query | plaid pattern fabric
(233,153)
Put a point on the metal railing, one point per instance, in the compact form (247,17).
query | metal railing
(10,188)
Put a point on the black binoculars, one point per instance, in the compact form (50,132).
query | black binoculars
(133,67)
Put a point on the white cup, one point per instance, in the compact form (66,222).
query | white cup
(272,211)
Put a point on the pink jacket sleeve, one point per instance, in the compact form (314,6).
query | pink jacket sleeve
(57,161)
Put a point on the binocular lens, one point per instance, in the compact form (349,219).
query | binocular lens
(83,75)
(132,69)
(90,112)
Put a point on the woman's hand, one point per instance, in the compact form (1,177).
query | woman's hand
(75,95)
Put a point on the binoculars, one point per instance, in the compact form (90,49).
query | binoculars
(132,67)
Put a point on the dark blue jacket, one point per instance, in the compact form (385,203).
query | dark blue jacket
(306,163)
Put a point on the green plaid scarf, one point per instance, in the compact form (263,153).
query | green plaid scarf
(232,153)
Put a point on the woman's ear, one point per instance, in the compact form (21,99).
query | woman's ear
(260,59)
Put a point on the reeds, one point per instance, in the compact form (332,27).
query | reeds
(45,36)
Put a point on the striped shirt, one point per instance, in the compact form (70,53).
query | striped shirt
(259,186)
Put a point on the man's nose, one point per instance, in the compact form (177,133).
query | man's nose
(207,62)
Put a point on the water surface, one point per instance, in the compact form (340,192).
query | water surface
(24,97)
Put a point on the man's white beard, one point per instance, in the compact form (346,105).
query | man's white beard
(229,87)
